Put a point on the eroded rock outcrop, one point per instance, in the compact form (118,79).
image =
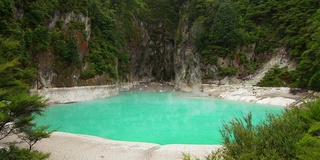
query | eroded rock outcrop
(186,60)
(51,71)
(151,58)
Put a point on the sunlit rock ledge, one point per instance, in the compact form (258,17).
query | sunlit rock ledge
(278,96)
(79,94)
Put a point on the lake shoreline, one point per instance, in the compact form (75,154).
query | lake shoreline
(278,96)
(74,146)
(63,145)
(275,96)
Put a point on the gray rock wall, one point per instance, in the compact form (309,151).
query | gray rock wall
(151,58)
(186,61)
(49,75)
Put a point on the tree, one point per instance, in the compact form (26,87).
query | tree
(218,27)
(275,77)
(17,107)
(14,153)
(32,135)
(309,63)
(224,29)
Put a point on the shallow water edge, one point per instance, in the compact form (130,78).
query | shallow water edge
(279,96)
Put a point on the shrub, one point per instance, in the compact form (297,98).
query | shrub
(14,153)
(87,74)
(314,82)
(227,71)
(291,135)
(277,77)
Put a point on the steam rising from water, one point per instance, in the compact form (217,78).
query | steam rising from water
(163,118)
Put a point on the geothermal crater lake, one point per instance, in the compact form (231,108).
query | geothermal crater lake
(162,118)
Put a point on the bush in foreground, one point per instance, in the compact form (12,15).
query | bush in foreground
(291,135)
(14,153)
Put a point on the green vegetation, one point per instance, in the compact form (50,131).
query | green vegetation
(291,135)
(266,25)
(218,33)
(277,77)
(248,67)
(286,136)
(33,25)
(21,154)
(223,28)
(17,107)
(227,71)
(164,12)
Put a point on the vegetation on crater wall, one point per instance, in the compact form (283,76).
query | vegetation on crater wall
(28,22)
(277,77)
(265,25)
(223,26)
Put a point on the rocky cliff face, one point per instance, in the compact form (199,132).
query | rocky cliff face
(53,69)
(53,73)
(186,59)
(158,54)
(151,57)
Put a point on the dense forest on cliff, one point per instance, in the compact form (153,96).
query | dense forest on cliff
(91,42)
(265,26)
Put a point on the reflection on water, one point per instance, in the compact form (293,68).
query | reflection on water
(163,118)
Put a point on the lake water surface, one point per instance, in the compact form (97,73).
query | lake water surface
(162,118)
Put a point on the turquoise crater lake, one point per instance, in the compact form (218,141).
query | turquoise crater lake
(162,118)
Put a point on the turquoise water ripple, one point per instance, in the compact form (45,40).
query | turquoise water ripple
(162,118)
